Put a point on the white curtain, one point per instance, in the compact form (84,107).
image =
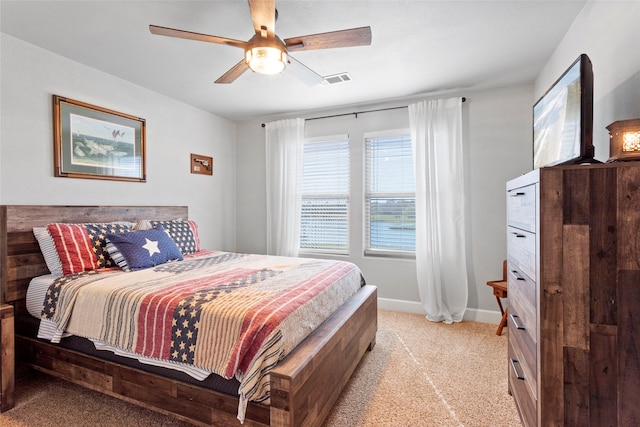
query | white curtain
(285,150)
(436,135)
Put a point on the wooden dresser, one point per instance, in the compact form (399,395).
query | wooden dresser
(573,251)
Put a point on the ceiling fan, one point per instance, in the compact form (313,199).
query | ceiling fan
(266,53)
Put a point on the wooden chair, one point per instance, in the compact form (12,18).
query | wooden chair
(500,291)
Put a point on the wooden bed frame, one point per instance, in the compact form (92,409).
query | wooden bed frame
(304,386)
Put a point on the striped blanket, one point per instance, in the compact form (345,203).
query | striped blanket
(235,315)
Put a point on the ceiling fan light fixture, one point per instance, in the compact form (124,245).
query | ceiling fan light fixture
(266,60)
(265,52)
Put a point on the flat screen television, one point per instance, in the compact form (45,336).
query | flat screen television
(563,118)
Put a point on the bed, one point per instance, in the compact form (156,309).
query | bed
(303,386)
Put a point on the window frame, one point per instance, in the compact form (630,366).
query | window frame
(348,196)
(366,249)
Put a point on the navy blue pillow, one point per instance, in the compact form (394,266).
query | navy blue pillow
(145,248)
(181,233)
(97,233)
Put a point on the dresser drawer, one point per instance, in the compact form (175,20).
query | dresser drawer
(521,390)
(521,337)
(521,208)
(522,293)
(521,247)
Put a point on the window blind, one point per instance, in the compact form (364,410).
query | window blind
(325,196)
(390,218)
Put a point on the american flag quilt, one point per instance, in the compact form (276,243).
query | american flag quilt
(235,315)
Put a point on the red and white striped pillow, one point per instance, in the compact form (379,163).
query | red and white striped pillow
(77,250)
(74,247)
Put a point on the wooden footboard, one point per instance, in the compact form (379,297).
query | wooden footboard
(308,382)
(304,386)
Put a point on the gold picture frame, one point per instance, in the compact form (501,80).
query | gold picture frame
(97,143)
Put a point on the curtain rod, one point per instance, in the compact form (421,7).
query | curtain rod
(355,113)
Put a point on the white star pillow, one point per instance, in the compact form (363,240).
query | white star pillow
(151,246)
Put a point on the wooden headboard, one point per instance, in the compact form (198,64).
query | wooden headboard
(20,256)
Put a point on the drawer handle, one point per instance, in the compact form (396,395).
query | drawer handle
(516,275)
(519,193)
(518,235)
(515,322)
(515,370)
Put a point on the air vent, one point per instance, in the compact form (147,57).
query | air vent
(337,78)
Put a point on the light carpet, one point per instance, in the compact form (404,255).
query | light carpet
(419,373)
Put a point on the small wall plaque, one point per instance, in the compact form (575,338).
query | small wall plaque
(202,165)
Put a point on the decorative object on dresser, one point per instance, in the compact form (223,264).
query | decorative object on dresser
(573,270)
(97,143)
(500,291)
(624,140)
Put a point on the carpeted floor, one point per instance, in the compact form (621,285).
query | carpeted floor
(419,374)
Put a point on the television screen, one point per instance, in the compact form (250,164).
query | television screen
(563,118)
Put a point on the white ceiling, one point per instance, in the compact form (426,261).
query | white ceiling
(418,47)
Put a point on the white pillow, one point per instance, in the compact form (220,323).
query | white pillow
(48,249)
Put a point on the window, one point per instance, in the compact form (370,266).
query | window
(390,198)
(325,196)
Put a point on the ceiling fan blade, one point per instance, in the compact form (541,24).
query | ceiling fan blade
(304,73)
(263,14)
(343,38)
(235,72)
(172,32)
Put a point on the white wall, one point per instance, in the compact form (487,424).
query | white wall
(607,31)
(500,148)
(497,126)
(30,75)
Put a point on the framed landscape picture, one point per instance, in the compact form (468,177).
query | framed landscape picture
(97,143)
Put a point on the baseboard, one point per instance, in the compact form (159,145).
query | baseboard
(400,305)
(470,314)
